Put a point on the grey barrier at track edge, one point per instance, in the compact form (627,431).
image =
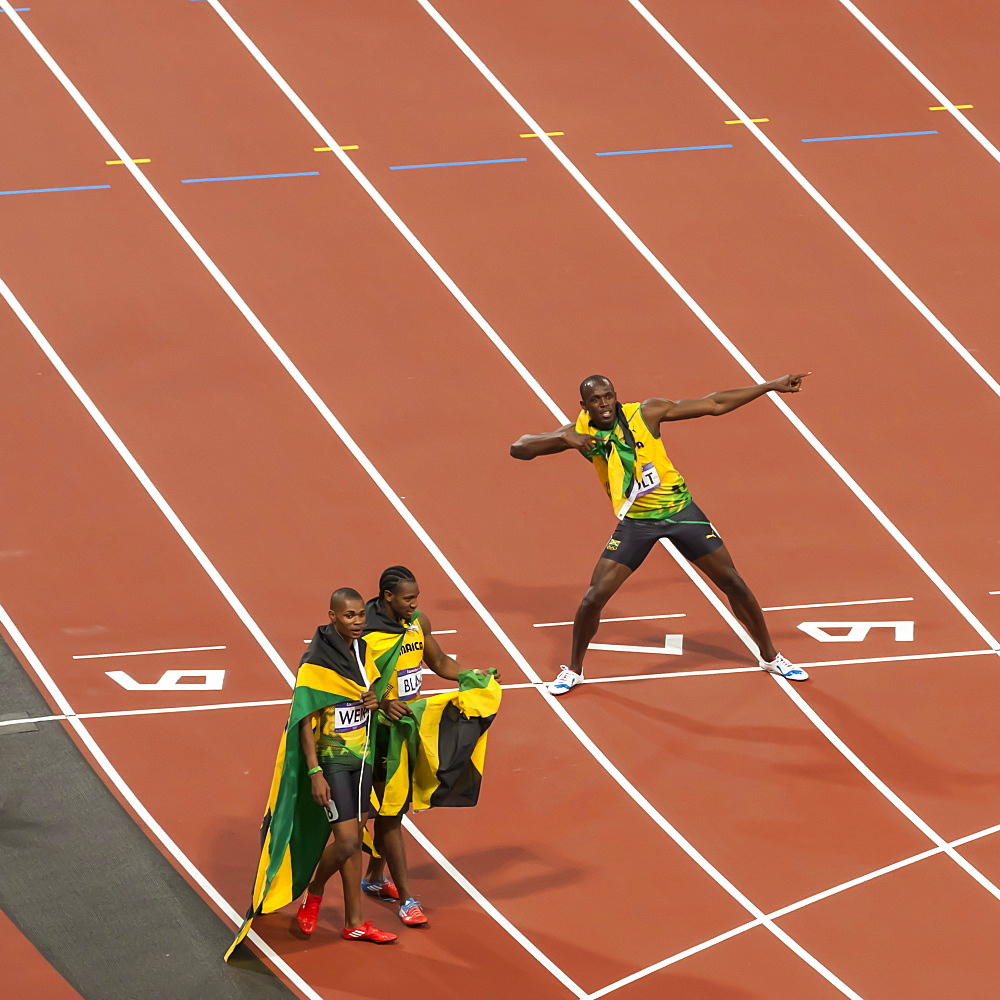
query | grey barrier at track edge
(36,666)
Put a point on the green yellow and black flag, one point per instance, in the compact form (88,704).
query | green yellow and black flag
(437,754)
(295,829)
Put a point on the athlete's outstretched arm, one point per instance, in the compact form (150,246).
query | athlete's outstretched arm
(714,405)
(530,446)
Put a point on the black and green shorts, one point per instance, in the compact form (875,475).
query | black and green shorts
(689,529)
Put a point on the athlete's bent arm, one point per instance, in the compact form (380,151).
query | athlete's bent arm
(320,788)
(530,446)
(717,403)
(443,665)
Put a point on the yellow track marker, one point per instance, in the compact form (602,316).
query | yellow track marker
(121,163)
(534,135)
(327,149)
(958,107)
(756,121)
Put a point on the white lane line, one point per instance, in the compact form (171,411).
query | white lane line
(401,508)
(784,911)
(252,627)
(849,231)
(838,604)
(223,587)
(126,712)
(141,811)
(393,499)
(506,687)
(418,529)
(632,618)
(445,631)
(920,77)
(146,652)
(995,591)
(136,469)
(712,326)
(807,434)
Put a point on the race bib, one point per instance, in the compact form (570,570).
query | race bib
(350,716)
(409,682)
(649,481)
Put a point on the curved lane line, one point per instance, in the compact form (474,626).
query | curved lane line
(849,231)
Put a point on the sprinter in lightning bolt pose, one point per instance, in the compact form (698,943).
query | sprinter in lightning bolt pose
(652,502)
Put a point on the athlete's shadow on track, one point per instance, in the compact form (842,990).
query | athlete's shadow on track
(911,766)
(490,870)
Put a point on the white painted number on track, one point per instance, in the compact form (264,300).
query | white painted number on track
(855,631)
(173,680)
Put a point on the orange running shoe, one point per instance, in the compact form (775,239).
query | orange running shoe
(308,913)
(411,914)
(367,932)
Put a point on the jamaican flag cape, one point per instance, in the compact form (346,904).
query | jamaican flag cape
(614,456)
(438,753)
(295,829)
(386,638)
(634,468)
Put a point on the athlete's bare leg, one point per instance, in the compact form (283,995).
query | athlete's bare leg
(343,854)
(718,567)
(607,578)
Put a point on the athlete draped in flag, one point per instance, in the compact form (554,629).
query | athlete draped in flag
(399,638)
(652,502)
(322,779)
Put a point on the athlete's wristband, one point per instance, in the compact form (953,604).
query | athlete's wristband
(314,770)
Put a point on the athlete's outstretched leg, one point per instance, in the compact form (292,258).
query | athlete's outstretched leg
(718,567)
(607,578)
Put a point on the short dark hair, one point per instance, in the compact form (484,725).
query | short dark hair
(592,381)
(392,578)
(342,594)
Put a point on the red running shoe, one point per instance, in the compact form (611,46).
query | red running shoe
(308,913)
(411,914)
(367,932)
(385,890)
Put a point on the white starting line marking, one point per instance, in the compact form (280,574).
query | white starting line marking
(672,645)
(146,652)
(635,618)
(506,687)
(838,604)
(445,631)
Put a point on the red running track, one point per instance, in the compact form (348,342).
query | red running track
(267,488)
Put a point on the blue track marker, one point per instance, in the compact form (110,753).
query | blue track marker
(20,10)
(248,177)
(672,149)
(459,163)
(879,135)
(84,187)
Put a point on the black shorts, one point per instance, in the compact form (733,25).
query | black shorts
(345,779)
(688,529)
